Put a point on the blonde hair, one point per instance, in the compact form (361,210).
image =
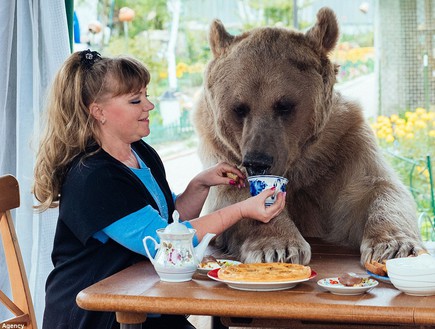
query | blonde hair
(69,126)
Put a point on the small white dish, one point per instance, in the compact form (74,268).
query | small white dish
(216,265)
(175,274)
(259,286)
(336,288)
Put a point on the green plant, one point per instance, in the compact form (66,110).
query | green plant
(408,140)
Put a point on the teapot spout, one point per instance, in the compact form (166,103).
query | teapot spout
(202,246)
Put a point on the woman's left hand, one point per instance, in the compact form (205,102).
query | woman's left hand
(190,202)
(222,174)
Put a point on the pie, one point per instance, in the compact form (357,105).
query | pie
(264,272)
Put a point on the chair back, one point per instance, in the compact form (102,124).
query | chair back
(20,305)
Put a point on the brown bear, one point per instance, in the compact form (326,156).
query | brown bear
(269,106)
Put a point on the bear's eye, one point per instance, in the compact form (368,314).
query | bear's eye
(284,107)
(241,110)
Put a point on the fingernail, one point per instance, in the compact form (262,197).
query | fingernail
(273,188)
(232,182)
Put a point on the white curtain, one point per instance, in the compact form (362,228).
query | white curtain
(34,43)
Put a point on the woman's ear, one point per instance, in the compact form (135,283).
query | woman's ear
(97,113)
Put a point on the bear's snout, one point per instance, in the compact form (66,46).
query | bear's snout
(257,163)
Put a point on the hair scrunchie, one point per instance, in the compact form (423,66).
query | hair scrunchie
(88,58)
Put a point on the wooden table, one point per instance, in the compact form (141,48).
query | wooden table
(137,290)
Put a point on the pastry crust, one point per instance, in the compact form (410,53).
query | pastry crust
(378,268)
(264,272)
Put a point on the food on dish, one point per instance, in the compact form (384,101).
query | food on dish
(335,287)
(259,285)
(350,279)
(264,272)
(209,262)
(378,268)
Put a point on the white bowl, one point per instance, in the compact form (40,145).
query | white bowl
(427,282)
(412,266)
(413,277)
(415,291)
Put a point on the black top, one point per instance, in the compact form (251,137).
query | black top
(97,191)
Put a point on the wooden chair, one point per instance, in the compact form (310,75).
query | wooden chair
(21,304)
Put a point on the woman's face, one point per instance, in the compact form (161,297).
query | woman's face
(126,117)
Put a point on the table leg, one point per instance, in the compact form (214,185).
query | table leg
(130,326)
(130,320)
(216,323)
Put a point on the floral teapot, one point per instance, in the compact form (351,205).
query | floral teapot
(176,259)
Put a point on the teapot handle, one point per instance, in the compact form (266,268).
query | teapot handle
(156,246)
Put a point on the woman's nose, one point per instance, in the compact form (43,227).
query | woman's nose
(148,106)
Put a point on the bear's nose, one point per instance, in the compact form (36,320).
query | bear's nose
(257,163)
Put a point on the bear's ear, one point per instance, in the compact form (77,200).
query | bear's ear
(220,39)
(324,34)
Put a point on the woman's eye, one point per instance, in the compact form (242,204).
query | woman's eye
(135,102)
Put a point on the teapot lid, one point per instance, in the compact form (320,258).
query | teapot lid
(176,227)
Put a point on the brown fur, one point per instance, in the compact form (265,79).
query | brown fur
(269,106)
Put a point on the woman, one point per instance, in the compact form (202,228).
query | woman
(110,185)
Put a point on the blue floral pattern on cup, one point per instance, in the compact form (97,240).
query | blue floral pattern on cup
(261,182)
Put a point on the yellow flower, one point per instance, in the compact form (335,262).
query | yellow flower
(409,127)
(432,133)
(401,122)
(388,130)
(383,118)
(381,134)
(389,138)
(410,136)
(411,116)
(394,118)
(420,110)
(420,124)
(400,132)
(426,117)
(182,67)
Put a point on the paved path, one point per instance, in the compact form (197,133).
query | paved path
(181,169)
(362,90)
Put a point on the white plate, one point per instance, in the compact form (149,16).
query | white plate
(385,279)
(259,286)
(335,287)
(212,266)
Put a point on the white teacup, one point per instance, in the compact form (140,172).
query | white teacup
(259,183)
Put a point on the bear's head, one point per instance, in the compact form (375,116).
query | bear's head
(268,92)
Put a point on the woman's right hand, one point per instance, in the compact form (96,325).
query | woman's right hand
(255,207)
